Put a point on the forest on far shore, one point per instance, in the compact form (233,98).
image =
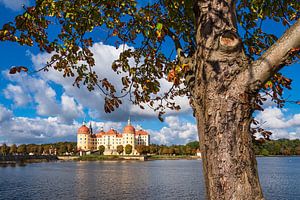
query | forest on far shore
(267,148)
(283,147)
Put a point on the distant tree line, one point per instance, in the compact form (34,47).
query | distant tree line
(59,148)
(70,148)
(154,149)
(277,147)
(273,147)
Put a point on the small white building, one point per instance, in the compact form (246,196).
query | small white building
(198,153)
(88,141)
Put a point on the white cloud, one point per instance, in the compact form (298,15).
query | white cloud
(280,123)
(94,101)
(61,108)
(41,130)
(5,114)
(70,109)
(14,5)
(17,94)
(52,129)
(46,99)
(176,131)
(36,130)
(272,117)
(97,126)
(268,102)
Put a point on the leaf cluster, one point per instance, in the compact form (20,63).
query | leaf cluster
(150,34)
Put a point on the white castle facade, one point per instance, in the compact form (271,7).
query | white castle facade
(88,141)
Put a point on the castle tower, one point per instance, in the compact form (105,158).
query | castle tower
(91,128)
(128,122)
(83,137)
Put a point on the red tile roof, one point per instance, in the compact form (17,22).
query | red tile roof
(83,130)
(129,129)
(141,132)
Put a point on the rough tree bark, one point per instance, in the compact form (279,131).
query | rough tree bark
(225,86)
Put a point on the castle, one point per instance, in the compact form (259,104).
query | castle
(88,141)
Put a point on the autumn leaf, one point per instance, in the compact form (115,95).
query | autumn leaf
(269,84)
(171,75)
(18,69)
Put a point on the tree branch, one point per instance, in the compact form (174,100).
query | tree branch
(273,59)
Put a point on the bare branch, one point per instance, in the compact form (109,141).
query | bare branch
(273,59)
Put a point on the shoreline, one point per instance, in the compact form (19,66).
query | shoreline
(15,159)
(125,158)
(22,160)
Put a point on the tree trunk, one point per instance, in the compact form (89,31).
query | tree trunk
(222,97)
(228,158)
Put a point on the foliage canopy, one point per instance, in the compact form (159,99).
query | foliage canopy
(145,31)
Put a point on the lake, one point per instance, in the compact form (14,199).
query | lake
(153,180)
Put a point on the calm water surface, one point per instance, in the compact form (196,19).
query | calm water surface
(153,180)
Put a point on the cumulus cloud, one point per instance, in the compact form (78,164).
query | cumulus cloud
(5,114)
(70,109)
(45,97)
(106,126)
(14,5)
(17,94)
(94,101)
(176,131)
(24,89)
(280,123)
(38,130)
(58,110)
(42,130)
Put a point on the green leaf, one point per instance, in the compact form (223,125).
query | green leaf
(159,26)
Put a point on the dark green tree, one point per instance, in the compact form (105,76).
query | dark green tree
(62,149)
(128,149)
(165,151)
(193,145)
(285,150)
(153,149)
(70,148)
(141,149)
(46,148)
(101,149)
(120,149)
(4,149)
(223,67)
(265,152)
(13,149)
(40,150)
(22,149)
(297,150)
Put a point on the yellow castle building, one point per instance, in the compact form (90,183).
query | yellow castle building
(88,141)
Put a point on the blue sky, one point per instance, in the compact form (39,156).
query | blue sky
(45,107)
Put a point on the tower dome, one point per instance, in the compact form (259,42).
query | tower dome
(129,128)
(83,130)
